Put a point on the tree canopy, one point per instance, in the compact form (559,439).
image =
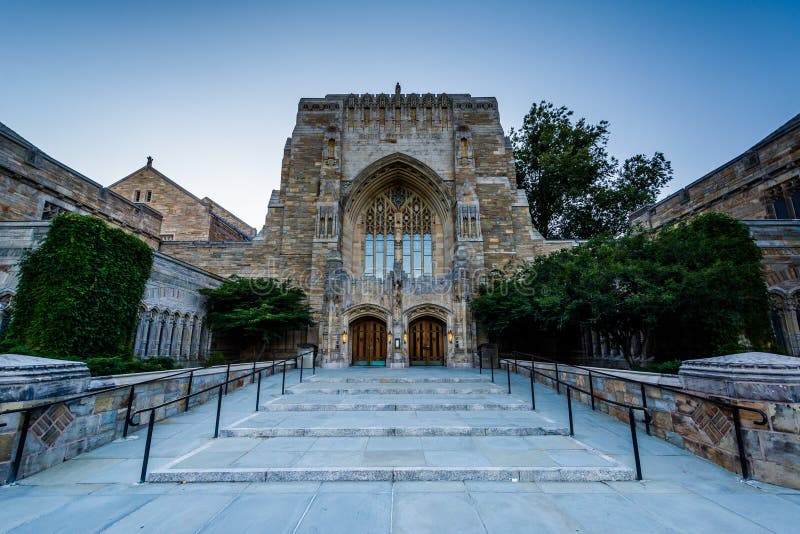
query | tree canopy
(256,310)
(575,189)
(692,290)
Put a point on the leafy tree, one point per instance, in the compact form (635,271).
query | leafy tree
(575,189)
(692,290)
(79,292)
(256,310)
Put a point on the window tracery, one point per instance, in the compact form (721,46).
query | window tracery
(398,217)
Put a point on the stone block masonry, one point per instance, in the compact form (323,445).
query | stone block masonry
(698,426)
(65,430)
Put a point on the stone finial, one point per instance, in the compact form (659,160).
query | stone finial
(149,161)
(397,89)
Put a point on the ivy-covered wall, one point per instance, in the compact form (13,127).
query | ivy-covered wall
(78,292)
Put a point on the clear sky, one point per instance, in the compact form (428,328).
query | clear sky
(210,89)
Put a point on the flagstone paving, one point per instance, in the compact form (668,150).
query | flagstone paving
(681,493)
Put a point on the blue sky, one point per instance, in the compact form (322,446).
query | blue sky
(210,89)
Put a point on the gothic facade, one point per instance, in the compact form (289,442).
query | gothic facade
(391,209)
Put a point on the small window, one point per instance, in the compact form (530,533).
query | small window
(167,237)
(148,196)
(137,196)
(780,207)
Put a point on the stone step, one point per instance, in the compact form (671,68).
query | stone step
(324,403)
(333,388)
(396,423)
(399,379)
(509,458)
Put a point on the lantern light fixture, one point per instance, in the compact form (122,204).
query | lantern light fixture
(344,336)
(449,336)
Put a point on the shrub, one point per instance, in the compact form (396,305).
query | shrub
(120,365)
(79,292)
(215,359)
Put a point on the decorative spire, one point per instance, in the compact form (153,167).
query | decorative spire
(149,161)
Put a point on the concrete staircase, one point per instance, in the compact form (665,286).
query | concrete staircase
(394,424)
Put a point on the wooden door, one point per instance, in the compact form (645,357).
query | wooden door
(368,337)
(426,342)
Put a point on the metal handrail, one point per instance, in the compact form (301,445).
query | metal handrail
(220,388)
(630,407)
(716,400)
(26,410)
(734,408)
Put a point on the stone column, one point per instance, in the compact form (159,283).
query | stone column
(186,338)
(140,340)
(155,335)
(177,338)
(166,333)
(194,338)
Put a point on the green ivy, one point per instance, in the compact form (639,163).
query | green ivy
(79,292)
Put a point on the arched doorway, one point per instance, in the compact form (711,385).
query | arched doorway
(368,336)
(426,341)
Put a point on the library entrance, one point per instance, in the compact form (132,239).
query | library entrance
(368,342)
(426,342)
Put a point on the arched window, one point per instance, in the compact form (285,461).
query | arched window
(413,231)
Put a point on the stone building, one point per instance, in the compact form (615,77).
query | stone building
(185,217)
(761,187)
(391,208)
(34,188)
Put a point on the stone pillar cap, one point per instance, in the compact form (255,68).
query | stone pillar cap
(745,367)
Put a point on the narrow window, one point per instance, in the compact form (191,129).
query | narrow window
(389,252)
(366,116)
(464,147)
(369,257)
(379,252)
(781,210)
(148,196)
(426,253)
(796,203)
(407,253)
(417,259)
(137,196)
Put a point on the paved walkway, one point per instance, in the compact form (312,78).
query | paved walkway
(97,490)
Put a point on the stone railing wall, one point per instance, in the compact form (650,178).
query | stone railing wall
(67,429)
(693,424)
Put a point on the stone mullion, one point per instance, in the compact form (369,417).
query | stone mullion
(194,339)
(166,333)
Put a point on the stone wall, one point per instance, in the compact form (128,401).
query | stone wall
(67,429)
(696,425)
(35,187)
(743,188)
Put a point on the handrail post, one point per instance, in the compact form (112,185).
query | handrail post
(591,388)
(283,381)
(189,391)
(314,362)
(737,425)
(26,419)
(558,381)
(150,424)
(128,414)
(219,409)
(258,391)
(644,405)
(480,362)
(253,374)
(301,368)
(508,370)
(569,410)
(227,377)
(635,444)
(533,394)
(491,361)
